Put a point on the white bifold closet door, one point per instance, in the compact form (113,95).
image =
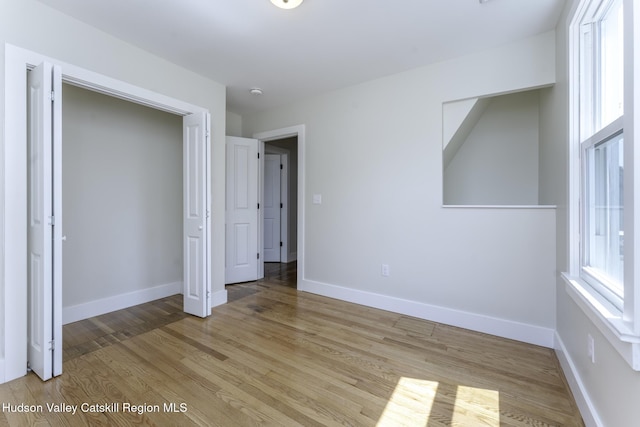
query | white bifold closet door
(44,317)
(197,215)
(44,341)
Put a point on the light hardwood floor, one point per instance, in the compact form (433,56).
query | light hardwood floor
(277,356)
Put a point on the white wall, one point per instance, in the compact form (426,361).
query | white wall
(498,162)
(31,25)
(122,197)
(233,124)
(374,152)
(607,391)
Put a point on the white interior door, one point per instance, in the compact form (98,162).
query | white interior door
(44,341)
(272,207)
(197,221)
(242,251)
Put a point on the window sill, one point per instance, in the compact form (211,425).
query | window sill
(499,206)
(607,318)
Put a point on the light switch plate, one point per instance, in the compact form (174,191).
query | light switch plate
(317,199)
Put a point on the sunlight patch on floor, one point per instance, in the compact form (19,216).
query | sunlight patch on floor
(477,405)
(412,403)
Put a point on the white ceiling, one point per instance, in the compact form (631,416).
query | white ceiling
(322,45)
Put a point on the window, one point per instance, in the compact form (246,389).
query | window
(603,217)
(603,278)
(601,135)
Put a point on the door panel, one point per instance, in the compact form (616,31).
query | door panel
(40,231)
(242,210)
(196,149)
(272,208)
(56,134)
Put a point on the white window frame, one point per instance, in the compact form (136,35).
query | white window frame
(592,276)
(619,323)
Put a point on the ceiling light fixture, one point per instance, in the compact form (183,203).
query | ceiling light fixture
(255,91)
(287,4)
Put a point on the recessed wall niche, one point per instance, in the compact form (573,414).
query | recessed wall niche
(491,150)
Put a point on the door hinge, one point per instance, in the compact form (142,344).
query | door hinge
(52,345)
(258,155)
(258,254)
(280,244)
(281,206)
(258,205)
(281,166)
(52,220)
(53,96)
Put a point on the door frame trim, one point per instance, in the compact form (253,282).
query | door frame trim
(14,198)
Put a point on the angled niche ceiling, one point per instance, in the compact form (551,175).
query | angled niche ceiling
(490,150)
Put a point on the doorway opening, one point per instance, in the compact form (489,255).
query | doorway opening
(122,204)
(290,141)
(127,220)
(280,197)
(196,180)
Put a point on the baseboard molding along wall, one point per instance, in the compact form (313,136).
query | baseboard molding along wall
(476,322)
(587,409)
(106,305)
(219,298)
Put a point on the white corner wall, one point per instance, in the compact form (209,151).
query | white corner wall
(122,202)
(606,391)
(31,25)
(374,153)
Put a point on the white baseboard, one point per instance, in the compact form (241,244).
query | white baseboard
(293,256)
(587,409)
(219,298)
(2,376)
(476,322)
(106,305)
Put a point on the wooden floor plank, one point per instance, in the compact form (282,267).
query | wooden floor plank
(277,356)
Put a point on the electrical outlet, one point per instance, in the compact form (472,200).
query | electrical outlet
(385,270)
(591,348)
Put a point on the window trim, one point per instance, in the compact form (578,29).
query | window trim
(590,275)
(620,325)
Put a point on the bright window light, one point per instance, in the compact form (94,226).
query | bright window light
(612,62)
(604,212)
